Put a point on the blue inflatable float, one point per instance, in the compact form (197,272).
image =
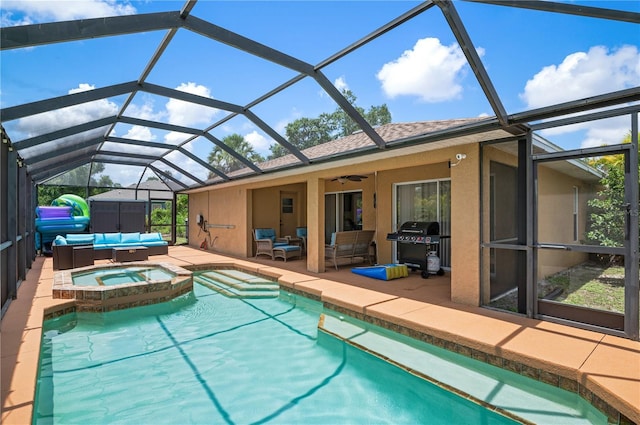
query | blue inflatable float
(67,214)
(383,271)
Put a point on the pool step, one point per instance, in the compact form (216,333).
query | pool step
(237,284)
(512,394)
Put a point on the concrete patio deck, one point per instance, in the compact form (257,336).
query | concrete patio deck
(604,369)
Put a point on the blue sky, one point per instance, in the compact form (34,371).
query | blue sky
(534,59)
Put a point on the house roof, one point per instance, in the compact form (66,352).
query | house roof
(150,189)
(92,145)
(440,132)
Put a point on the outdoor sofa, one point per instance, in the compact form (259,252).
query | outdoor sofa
(350,244)
(99,246)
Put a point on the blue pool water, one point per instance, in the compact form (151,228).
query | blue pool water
(208,358)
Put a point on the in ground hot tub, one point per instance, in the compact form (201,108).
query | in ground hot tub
(118,286)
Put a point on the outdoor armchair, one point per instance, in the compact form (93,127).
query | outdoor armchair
(266,240)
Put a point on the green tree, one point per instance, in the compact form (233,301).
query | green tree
(47,194)
(607,211)
(161,218)
(225,162)
(304,133)
(105,181)
(343,125)
(75,182)
(182,214)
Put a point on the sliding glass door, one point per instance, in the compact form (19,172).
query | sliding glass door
(426,201)
(343,211)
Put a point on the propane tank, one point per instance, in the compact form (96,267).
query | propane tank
(433,263)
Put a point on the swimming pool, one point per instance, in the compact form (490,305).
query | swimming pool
(208,358)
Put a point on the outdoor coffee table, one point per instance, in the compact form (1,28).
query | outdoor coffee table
(130,253)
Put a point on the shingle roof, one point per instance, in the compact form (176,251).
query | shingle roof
(394,132)
(154,189)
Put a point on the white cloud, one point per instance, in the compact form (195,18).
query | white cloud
(583,75)
(9,19)
(176,138)
(186,164)
(82,87)
(259,142)
(24,12)
(138,132)
(341,84)
(176,112)
(608,131)
(606,134)
(429,71)
(145,111)
(56,119)
(186,113)
(123,174)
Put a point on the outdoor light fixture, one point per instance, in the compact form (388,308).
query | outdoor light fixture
(459,157)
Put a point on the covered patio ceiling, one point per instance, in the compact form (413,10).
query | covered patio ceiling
(50,156)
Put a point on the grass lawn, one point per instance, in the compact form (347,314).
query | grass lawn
(587,285)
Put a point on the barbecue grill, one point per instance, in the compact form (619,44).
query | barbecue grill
(415,240)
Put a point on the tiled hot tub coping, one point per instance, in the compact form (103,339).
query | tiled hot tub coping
(97,299)
(71,306)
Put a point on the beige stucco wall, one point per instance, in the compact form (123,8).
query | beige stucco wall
(315,224)
(226,211)
(246,204)
(235,208)
(266,203)
(465,228)
(555,219)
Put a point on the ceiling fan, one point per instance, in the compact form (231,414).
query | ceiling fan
(352,177)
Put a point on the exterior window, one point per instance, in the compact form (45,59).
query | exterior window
(287,205)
